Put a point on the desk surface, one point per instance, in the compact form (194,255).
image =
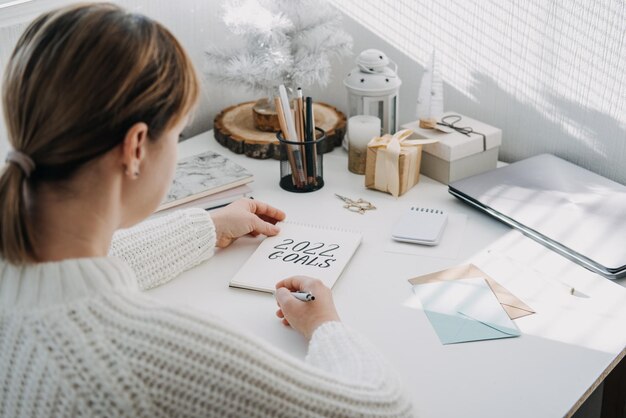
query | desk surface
(565,350)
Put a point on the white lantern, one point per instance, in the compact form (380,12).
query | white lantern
(373,89)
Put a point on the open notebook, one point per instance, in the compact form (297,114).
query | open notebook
(299,249)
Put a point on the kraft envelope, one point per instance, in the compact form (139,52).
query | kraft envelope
(513,306)
(464,310)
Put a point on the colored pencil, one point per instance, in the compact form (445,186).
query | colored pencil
(297,154)
(283,127)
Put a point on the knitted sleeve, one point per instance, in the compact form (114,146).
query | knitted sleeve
(160,249)
(194,366)
(338,350)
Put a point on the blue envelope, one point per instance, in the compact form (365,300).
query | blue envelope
(464,310)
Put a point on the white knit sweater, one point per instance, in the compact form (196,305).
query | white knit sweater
(78,338)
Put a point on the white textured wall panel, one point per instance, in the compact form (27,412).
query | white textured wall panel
(549,73)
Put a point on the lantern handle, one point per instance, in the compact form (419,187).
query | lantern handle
(395,66)
(366,69)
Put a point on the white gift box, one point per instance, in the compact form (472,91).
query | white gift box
(457,155)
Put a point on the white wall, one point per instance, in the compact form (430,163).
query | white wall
(549,73)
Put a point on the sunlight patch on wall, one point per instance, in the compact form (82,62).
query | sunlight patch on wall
(559,59)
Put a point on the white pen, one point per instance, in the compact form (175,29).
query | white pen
(303,296)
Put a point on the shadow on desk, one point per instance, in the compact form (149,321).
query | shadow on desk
(614,394)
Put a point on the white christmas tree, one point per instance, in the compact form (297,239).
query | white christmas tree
(430,97)
(283,42)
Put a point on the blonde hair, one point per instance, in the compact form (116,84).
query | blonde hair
(78,79)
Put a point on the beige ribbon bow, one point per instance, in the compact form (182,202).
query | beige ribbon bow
(387,171)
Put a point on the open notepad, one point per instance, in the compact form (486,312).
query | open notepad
(298,250)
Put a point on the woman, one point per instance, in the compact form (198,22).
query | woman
(95,99)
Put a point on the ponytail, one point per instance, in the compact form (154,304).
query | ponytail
(16,238)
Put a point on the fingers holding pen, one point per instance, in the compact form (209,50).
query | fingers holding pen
(307,314)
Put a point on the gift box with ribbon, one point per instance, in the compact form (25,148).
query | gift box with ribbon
(466,147)
(393,162)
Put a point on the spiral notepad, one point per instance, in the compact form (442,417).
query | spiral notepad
(420,226)
(298,250)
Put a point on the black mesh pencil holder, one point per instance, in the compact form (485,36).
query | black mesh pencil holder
(301,164)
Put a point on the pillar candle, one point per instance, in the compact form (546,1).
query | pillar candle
(361,130)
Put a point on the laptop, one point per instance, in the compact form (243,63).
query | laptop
(575,212)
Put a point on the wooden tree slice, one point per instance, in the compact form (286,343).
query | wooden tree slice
(263,118)
(234,129)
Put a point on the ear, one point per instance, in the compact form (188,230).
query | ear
(134,149)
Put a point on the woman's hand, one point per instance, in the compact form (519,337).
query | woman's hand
(243,217)
(305,317)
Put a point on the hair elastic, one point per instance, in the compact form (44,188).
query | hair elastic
(22,160)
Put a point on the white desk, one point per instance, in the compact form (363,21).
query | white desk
(566,349)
